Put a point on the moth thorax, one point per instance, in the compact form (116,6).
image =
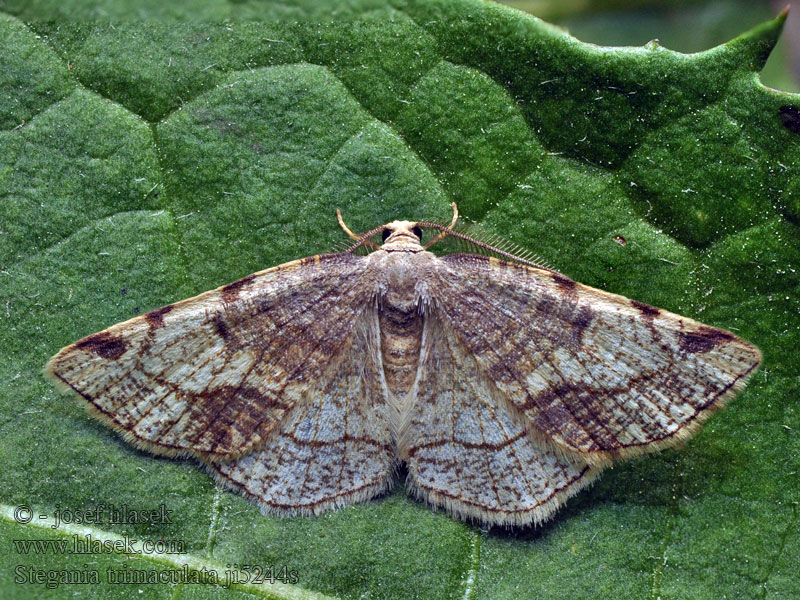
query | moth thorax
(401,290)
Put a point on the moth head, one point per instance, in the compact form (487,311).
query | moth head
(401,234)
(405,236)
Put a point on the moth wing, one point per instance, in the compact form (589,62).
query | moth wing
(334,447)
(214,375)
(594,372)
(469,450)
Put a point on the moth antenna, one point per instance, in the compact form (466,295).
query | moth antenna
(361,239)
(469,238)
(340,246)
(443,233)
(345,227)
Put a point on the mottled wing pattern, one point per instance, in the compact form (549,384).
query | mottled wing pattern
(213,375)
(335,447)
(594,372)
(469,451)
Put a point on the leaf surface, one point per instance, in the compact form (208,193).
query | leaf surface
(143,162)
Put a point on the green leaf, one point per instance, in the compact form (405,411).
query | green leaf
(143,162)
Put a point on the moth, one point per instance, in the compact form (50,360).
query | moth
(503,385)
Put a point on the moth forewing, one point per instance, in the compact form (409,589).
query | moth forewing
(213,376)
(599,374)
